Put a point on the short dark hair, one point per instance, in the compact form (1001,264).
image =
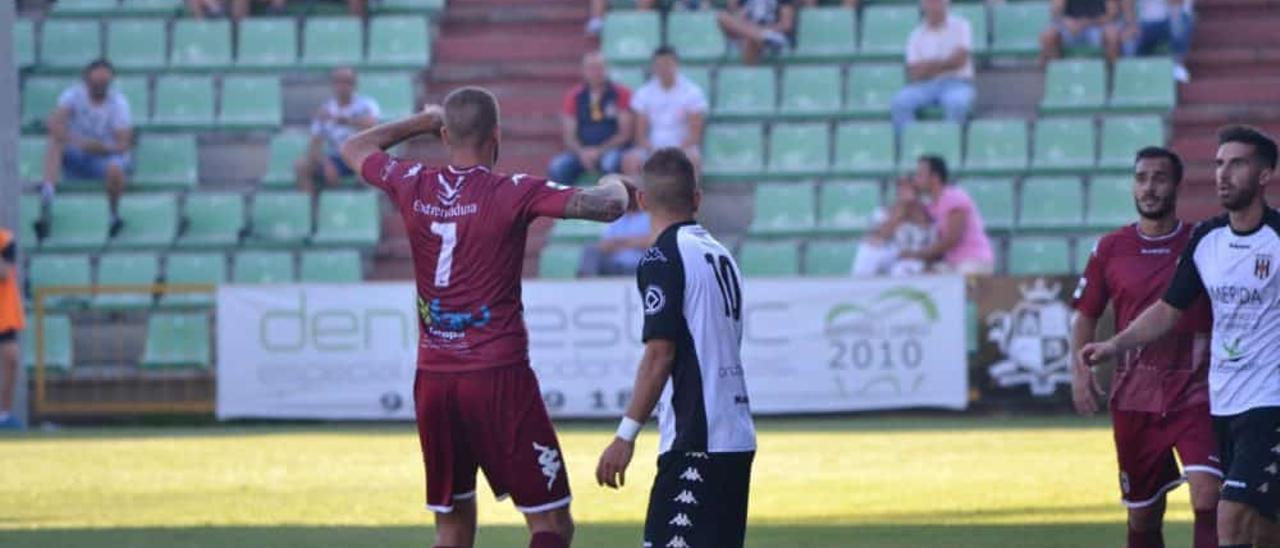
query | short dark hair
(1175,161)
(937,165)
(97,64)
(665,50)
(470,114)
(1264,146)
(670,181)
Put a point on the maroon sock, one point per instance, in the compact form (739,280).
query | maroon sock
(546,539)
(1206,529)
(1146,539)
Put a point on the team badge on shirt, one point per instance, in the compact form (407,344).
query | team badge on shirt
(654,300)
(1262,266)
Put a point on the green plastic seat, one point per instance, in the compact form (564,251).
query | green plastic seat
(1038,255)
(193,269)
(151,8)
(871,89)
(826,33)
(70,271)
(69,44)
(769,259)
(997,147)
(745,92)
(150,221)
(846,206)
(1064,145)
(329,42)
(1051,203)
(136,44)
(783,209)
(28,214)
(393,92)
(58,348)
(934,138)
(39,98)
(1124,136)
(576,230)
(695,35)
(800,149)
(630,36)
(632,77)
(279,219)
(177,341)
(811,91)
(994,199)
(165,162)
(331,266)
(885,30)
(430,7)
(559,261)
(126,269)
(699,76)
(286,147)
(1016,28)
(832,258)
(263,267)
(83,8)
(201,45)
(79,223)
(183,103)
(347,219)
(733,150)
(137,92)
(212,220)
(1143,85)
(31,157)
(267,43)
(865,149)
(1074,85)
(976,15)
(399,41)
(251,102)
(24,43)
(1110,202)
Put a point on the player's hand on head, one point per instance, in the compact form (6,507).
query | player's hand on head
(612,469)
(436,113)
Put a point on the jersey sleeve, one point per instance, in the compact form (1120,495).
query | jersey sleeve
(1092,292)
(1186,284)
(661,285)
(390,174)
(543,198)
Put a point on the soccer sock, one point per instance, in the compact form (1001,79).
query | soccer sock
(1206,535)
(1146,539)
(546,539)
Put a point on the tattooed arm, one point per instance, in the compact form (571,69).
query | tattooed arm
(605,202)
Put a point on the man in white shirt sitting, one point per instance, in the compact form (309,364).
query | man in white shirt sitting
(670,112)
(939,66)
(342,116)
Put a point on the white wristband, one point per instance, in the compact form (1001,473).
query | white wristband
(629,428)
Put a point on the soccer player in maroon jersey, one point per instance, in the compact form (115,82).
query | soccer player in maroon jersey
(1159,393)
(476,399)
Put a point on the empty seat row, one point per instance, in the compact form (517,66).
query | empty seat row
(161,162)
(1080,85)
(166,8)
(173,340)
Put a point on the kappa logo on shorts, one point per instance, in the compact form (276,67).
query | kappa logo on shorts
(1264,488)
(686,497)
(691,474)
(1273,468)
(1124,482)
(654,300)
(697,455)
(681,520)
(677,542)
(549,460)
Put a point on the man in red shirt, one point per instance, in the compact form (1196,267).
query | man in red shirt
(477,400)
(1159,393)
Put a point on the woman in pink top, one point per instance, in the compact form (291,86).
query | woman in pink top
(962,245)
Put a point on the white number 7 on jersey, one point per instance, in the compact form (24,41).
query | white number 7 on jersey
(448,233)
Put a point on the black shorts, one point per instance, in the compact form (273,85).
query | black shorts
(1249,444)
(8,336)
(699,500)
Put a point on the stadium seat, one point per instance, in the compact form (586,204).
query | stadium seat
(193,269)
(150,221)
(826,33)
(1143,85)
(767,259)
(871,89)
(934,138)
(263,267)
(286,147)
(1055,203)
(1038,255)
(1063,145)
(137,92)
(1123,136)
(164,162)
(994,200)
(997,147)
(125,269)
(177,341)
(347,218)
(559,261)
(31,157)
(58,353)
(212,221)
(60,271)
(783,209)
(201,45)
(699,76)
(279,219)
(1016,28)
(633,77)
(39,97)
(829,257)
(393,92)
(329,42)
(183,103)
(976,15)
(251,102)
(399,42)
(1110,202)
(151,8)
(885,30)
(1084,248)
(800,149)
(83,8)
(331,266)
(745,92)
(136,44)
(79,223)
(576,230)
(69,45)
(630,36)
(864,149)
(696,36)
(846,206)
(24,43)
(1074,86)
(733,150)
(811,91)
(430,7)
(28,213)
(267,43)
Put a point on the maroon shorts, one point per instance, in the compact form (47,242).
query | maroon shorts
(492,420)
(1145,445)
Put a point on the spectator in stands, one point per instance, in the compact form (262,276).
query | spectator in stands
(90,137)
(939,66)
(961,245)
(598,8)
(1151,23)
(620,248)
(1082,23)
(759,26)
(903,227)
(670,111)
(596,124)
(11,322)
(338,118)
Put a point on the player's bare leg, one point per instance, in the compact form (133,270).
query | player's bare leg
(331,176)
(1204,502)
(457,529)
(1241,525)
(1049,46)
(550,529)
(115,186)
(1145,525)
(303,174)
(8,374)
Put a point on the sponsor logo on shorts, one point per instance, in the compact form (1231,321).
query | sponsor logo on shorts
(1272,468)
(691,474)
(681,520)
(1235,484)
(549,460)
(1264,487)
(1124,482)
(686,497)
(677,542)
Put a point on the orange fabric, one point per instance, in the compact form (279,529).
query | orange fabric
(11,318)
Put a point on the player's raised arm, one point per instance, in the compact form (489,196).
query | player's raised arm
(605,202)
(651,377)
(378,138)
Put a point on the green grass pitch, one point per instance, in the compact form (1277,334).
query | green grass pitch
(880,482)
